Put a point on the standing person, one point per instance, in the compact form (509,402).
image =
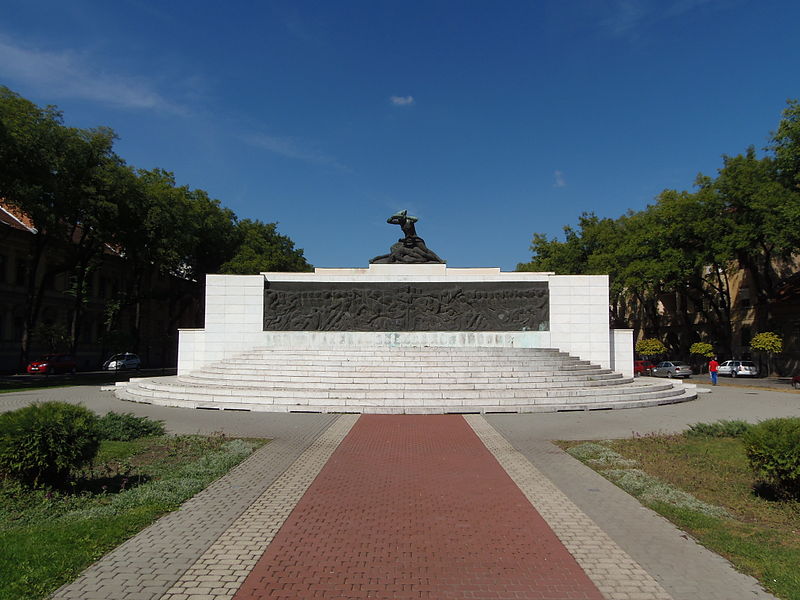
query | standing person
(713,365)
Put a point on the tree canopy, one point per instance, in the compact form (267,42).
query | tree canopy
(83,199)
(674,259)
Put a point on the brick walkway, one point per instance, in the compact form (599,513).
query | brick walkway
(415,507)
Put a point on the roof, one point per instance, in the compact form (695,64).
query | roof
(15,218)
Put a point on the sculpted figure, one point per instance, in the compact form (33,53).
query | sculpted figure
(410,249)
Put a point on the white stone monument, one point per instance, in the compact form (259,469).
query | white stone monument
(578,316)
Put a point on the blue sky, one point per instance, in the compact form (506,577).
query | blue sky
(488,120)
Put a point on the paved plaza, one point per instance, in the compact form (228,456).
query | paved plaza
(401,506)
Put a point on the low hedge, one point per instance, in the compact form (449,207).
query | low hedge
(42,443)
(124,427)
(773,449)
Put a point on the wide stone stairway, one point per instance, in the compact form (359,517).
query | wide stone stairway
(395,380)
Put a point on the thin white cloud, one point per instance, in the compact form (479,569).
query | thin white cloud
(559,180)
(68,74)
(627,16)
(402,100)
(291,147)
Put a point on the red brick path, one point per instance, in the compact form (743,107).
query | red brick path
(415,507)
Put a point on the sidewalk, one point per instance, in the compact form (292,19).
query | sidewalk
(402,506)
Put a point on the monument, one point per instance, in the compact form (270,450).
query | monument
(406,334)
(411,248)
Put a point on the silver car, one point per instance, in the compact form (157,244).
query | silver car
(122,362)
(672,368)
(738,368)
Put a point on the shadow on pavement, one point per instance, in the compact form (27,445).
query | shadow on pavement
(22,382)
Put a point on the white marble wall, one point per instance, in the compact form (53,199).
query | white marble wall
(578,317)
(622,351)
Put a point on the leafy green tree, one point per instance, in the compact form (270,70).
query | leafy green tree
(262,248)
(761,218)
(786,145)
(768,342)
(702,350)
(53,174)
(650,348)
(216,235)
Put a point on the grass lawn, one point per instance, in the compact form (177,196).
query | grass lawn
(48,537)
(705,486)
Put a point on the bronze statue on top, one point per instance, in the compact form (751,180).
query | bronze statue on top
(410,249)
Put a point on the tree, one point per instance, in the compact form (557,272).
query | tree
(769,343)
(650,348)
(53,174)
(786,145)
(262,248)
(702,350)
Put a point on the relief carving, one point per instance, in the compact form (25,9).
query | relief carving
(406,307)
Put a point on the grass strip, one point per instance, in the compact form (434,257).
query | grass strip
(48,538)
(704,485)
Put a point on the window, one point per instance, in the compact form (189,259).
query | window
(3,267)
(747,335)
(22,271)
(744,297)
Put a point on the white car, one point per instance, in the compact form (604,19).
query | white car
(738,368)
(122,362)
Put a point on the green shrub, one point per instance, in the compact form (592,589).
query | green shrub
(124,427)
(773,448)
(723,428)
(650,347)
(41,443)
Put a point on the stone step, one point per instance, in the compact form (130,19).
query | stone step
(413,405)
(322,378)
(393,368)
(393,380)
(413,351)
(391,392)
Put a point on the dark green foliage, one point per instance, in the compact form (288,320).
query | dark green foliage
(124,427)
(669,264)
(773,448)
(83,199)
(718,429)
(262,248)
(40,444)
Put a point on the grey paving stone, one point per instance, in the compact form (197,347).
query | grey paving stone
(686,570)
(145,566)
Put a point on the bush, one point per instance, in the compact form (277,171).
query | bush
(702,349)
(734,429)
(650,347)
(125,427)
(773,448)
(41,443)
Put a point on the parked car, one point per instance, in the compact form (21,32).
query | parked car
(738,368)
(53,363)
(672,368)
(796,382)
(122,362)
(642,367)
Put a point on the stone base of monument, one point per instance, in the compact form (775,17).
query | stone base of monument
(405,380)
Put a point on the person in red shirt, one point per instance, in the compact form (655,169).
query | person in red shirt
(713,365)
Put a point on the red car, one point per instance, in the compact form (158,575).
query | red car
(642,367)
(53,363)
(796,382)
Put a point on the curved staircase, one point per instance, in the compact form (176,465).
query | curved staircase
(404,380)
